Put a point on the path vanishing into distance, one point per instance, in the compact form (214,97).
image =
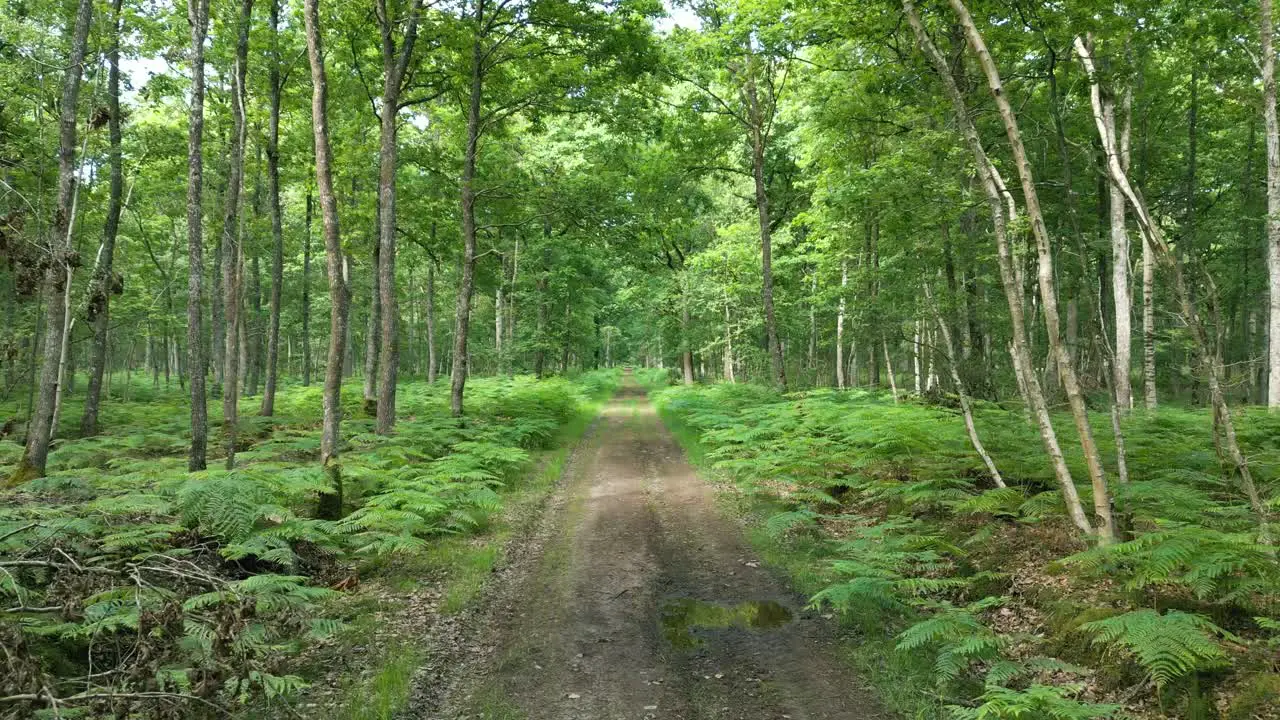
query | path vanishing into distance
(639,598)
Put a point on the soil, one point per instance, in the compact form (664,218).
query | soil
(635,596)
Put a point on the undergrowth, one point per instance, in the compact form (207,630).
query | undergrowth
(131,587)
(973,601)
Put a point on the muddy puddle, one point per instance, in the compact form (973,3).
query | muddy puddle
(683,618)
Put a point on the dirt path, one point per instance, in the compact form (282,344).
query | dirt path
(642,600)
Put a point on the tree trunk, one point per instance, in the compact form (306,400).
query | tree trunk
(1122,294)
(277,222)
(728,342)
(432,361)
(102,284)
(330,505)
(686,352)
(1267,31)
(1203,347)
(966,405)
(373,337)
(306,295)
(844,281)
(40,429)
(393,70)
(231,275)
(756,138)
(1045,279)
(1000,201)
(466,287)
(197,364)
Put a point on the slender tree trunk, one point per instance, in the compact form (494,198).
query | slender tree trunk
(1122,294)
(432,361)
(330,505)
(277,221)
(1267,31)
(65,371)
(756,138)
(462,319)
(888,366)
(844,282)
(231,275)
(394,65)
(40,428)
(101,286)
(966,405)
(306,295)
(686,352)
(1204,348)
(728,342)
(197,364)
(1048,291)
(373,338)
(1000,202)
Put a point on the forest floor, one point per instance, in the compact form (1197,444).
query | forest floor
(636,596)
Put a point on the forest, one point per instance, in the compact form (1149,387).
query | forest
(326,327)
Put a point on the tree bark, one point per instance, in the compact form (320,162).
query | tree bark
(1122,294)
(231,275)
(1267,31)
(844,281)
(394,65)
(432,361)
(40,428)
(966,405)
(756,139)
(101,286)
(330,505)
(306,295)
(466,287)
(1000,201)
(1045,278)
(277,221)
(1202,345)
(197,363)
(373,338)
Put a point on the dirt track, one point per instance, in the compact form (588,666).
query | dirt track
(638,598)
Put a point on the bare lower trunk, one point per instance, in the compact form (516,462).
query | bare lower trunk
(966,405)
(756,137)
(277,222)
(1045,279)
(231,239)
(197,365)
(998,199)
(39,431)
(728,342)
(432,362)
(330,505)
(102,285)
(1267,32)
(844,281)
(1204,348)
(888,368)
(306,295)
(1122,294)
(64,352)
(686,353)
(466,287)
(373,337)
(1149,327)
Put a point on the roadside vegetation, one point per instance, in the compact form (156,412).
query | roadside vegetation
(966,600)
(199,593)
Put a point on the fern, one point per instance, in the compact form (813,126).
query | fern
(1038,702)
(1167,646)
